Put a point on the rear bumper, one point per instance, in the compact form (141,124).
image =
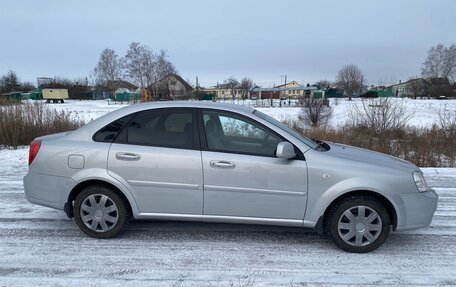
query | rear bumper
(418,209)
(47,190)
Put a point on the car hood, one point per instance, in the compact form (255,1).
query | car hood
(368,156)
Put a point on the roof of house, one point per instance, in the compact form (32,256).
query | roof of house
(121,84)
(289,83)
(179,78)
(258,89)
(409,82)
(431,81)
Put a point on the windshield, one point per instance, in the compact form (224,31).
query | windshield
(284,127)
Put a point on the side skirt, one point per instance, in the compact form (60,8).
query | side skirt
(221,219)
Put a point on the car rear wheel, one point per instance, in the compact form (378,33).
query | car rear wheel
(359,223)
(99,212)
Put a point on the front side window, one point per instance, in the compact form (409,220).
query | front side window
(226,132)
(164,128)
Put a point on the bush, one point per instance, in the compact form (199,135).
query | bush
(380,115)
(370,94)
(425,147)
(447,121)
(21,123)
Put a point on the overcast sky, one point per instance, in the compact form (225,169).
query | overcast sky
(264,40)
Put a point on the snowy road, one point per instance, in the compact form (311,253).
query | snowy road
(41,247)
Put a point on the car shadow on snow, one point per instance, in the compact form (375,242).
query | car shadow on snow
(177,231)
(184,230)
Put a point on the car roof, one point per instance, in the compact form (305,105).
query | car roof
(192,104)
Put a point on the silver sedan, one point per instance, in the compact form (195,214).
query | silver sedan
(223,163)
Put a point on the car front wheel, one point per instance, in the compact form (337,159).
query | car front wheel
(99,212)
(359,223)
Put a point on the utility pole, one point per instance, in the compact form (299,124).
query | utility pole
(284,86)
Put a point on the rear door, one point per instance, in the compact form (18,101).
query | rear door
(157,156)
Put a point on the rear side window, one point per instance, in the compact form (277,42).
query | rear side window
(164,128)
(110,132)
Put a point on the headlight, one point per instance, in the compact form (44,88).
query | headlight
(420,182)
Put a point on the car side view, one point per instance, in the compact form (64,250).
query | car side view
(213,162)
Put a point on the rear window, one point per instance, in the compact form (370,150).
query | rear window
(110,132)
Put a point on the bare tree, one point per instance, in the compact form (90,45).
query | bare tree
(59,83)
(138,65)
(350,79)
(108,69)
(315,112)
(246,85)
(27,86)
(163,66)
(232,84)
(143,67)
(440,62)
(9,82)
(323,84)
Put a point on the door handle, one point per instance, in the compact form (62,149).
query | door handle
(222,164)
(127,156)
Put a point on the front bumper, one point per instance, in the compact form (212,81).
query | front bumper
(417,209)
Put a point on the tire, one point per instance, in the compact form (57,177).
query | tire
(354,232)
(107,220)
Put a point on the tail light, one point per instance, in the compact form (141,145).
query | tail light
(34,148)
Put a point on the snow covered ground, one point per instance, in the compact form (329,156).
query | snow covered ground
(424,112)
(42,247)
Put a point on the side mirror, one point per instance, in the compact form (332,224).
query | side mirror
(285,150)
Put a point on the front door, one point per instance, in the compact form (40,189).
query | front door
(158,157)
(242,176)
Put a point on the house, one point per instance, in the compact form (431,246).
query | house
(224,91)
(265,93)
(293,90)
(440,87)
(203,94)
(417,87)
(120,84)
(171,87)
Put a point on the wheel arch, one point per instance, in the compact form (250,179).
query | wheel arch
(381,198)
(68,208)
